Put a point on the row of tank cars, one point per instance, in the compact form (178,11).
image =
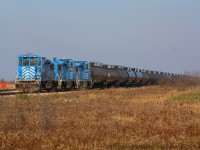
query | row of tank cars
(36,73)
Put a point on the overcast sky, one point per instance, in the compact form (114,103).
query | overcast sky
(149,34)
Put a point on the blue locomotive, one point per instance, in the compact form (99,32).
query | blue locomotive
(30,72)
(59,75)
(36,73)
(82,74)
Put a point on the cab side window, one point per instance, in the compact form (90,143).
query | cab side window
(39,62)
(51,66)
(86,68)
(59,67)
(71,66)
(76,68)
(20,62)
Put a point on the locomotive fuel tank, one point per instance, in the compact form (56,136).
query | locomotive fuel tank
(123,74)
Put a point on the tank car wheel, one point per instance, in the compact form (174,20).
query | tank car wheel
(117,85)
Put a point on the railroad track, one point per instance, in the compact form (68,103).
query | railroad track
(6,93)
(5,90)
(9,92)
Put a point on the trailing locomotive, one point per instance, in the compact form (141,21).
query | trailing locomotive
(36,73)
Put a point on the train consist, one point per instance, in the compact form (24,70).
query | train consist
(36,73)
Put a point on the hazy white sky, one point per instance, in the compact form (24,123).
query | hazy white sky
(156,35)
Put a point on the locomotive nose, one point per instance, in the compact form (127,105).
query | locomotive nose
(28,73)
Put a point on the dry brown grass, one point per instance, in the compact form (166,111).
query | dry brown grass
(10,86)
(141,118)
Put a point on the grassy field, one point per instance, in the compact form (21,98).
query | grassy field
(136,118)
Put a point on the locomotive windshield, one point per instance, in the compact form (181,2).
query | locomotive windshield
(26,61)
(33,61)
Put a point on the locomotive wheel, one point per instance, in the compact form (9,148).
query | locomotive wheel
(63,87)
(54,87)
(117,85)
(84,85)
(103,85)
(91,86)
(69,85)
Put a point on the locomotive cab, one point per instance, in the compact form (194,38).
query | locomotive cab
(29,72)
(59,75)
(82,74)
(85,69)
